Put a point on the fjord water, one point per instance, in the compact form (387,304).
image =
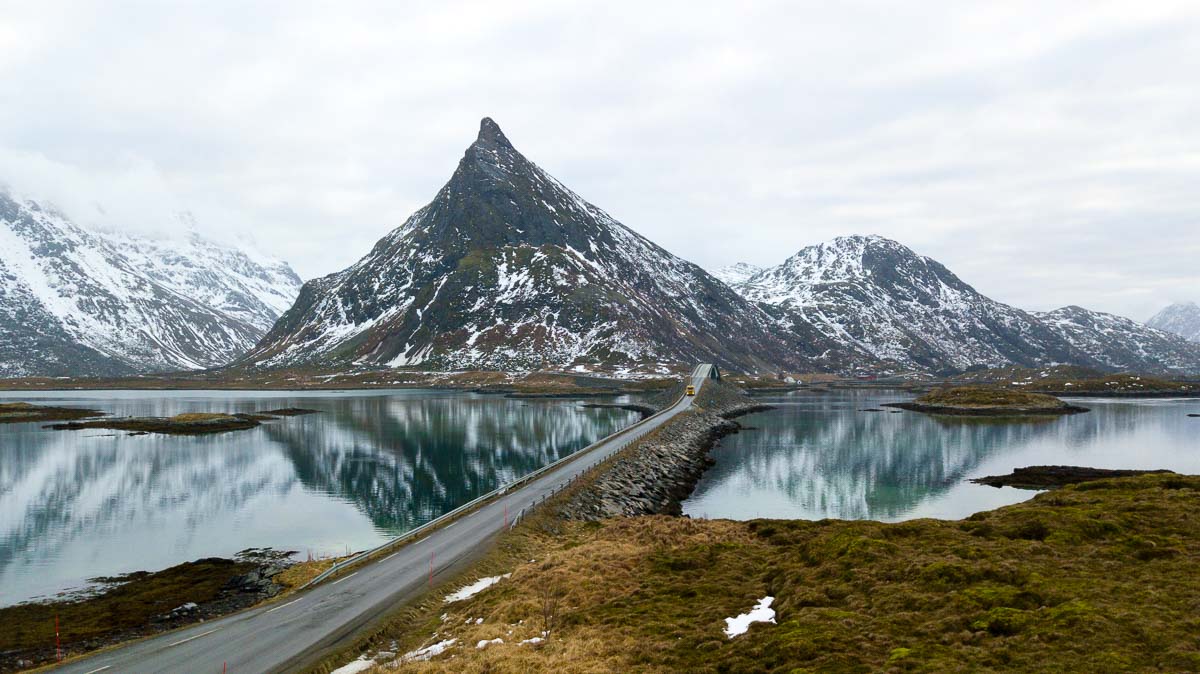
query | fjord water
(819,455)
(80,504)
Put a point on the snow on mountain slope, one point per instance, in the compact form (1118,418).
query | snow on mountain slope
(1118,343)
(881,297)
(83,302)
(737,273)
(1182,319)
(508,269)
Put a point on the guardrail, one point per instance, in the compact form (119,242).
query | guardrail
(501,491)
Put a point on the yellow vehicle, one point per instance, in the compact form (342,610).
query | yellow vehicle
(691,390)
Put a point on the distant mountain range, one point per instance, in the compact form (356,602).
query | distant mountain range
(909,312)
(79,302)
(508,269)
(1182,319)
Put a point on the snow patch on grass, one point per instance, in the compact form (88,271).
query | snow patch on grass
(475,588)
(761,613)
(360,665)
(423,654)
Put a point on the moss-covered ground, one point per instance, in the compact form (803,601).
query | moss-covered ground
(1097,577)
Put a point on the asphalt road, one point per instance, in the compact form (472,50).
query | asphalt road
(295,631)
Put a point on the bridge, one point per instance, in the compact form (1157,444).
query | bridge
(301,628)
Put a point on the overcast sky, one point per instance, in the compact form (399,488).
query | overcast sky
(1046,152)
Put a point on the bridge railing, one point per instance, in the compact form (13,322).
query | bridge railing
(432,524)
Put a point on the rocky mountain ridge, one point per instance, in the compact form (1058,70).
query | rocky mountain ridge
(912,313)
(81,302)
(508,269)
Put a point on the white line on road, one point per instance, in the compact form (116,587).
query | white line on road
(388,557)
(343,578)
(99,670)
(284,606)
(451,524)
(184,641)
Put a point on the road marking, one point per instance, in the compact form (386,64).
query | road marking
(284,606)
(184,641)
(451,524)
(388,557)
(99,670)
(343,578)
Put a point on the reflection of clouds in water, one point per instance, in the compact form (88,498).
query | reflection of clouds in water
(75,504)
(822,457)
(61,488)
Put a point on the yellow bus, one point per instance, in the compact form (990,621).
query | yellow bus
(691,390)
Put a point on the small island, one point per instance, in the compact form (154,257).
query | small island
(987,401)
(1051,477)
(192,423)
(16,413)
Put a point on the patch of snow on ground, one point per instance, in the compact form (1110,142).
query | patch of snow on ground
(761,613)
(423,654)
(534,640)
(475,588)
(360,665)
(484,643)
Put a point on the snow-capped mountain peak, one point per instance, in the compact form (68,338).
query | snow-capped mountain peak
(77,301)
(736,273)
(506,268)
(1182,318)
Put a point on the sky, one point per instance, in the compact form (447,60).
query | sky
(1046,152)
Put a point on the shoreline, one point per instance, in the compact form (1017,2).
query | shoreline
(656,475)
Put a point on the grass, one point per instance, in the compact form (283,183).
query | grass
(1098,577)
(189,423)
(21,412)
(127,606)
(986,396)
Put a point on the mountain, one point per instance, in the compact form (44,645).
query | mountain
(737,273)
(1182,319)
(907,310)
(79,302)
(1118,343)
(508,269)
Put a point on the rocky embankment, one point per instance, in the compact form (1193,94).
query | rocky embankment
(654,475)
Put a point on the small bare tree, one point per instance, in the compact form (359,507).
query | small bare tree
(550,595)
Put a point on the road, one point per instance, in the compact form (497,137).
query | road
(295,631)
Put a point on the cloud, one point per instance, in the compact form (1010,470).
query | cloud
(1046,152)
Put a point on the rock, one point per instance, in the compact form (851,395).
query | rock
(654,476)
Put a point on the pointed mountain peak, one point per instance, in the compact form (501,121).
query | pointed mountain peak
(490,134)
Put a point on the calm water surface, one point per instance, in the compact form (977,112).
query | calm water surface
(80,504)
(818,456)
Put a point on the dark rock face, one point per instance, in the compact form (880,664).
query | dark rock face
(508,269)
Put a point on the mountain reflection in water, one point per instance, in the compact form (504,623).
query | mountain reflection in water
(818,455)
(75,505)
